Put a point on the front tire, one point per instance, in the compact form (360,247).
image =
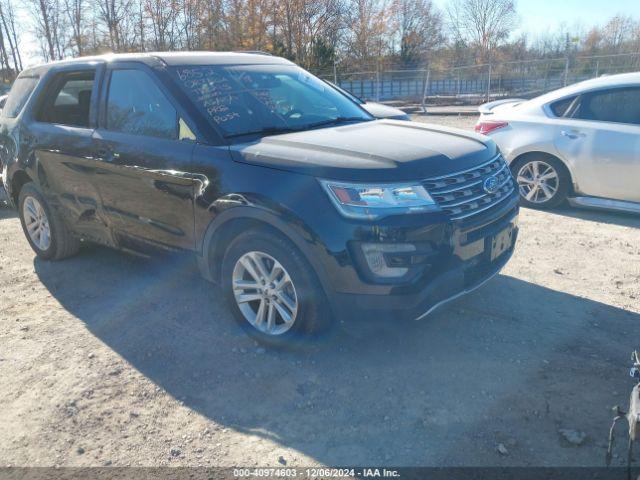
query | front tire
(543,181)
(46,232)
(271,289)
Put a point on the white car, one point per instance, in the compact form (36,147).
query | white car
(581,142)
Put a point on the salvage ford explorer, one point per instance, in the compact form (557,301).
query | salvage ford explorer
(297,202)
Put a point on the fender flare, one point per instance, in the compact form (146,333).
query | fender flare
(300,237)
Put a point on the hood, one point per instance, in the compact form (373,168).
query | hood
(380,110)
(381,151)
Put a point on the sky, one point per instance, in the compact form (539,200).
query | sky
(536,17)
(539,16)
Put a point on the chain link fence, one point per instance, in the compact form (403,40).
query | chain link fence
(478,83)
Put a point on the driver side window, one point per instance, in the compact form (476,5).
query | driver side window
(136,105)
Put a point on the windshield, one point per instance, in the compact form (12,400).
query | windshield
(358,100)
(265,99)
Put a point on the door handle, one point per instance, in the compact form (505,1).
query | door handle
(573,134)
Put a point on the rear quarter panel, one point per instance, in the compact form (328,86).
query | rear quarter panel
(522,136)
(527,133)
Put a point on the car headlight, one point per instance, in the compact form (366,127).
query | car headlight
(371,201)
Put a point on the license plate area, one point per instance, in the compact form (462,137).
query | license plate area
(501,242)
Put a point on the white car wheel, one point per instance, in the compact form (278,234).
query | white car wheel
(537,181)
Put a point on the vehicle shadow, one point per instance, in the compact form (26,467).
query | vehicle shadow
(499,366)
(7,212)
(599,216)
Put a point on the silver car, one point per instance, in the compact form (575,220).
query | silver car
(3,194)
(378,110)
(580,143)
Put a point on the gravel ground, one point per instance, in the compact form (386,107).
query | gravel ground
(107,359)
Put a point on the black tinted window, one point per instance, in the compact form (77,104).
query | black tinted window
(136,105)
(18,96)
(561,107)
(620,105)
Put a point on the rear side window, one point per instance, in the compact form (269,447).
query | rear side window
(18,96)
(620,105)
(561,107)
(137,106)
(68,102)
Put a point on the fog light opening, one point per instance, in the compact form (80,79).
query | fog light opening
(374,254)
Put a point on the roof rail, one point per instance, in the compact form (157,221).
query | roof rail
(254,52)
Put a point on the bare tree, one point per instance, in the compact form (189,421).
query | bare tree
(162,18)
(118,17)
(141,27)
(192,21)
(617,32)
(368,29)
(8,18)
(369,34)
(46,17)
(302,30)
(419,28)
(247,23)
(4,58)
(482,23)
(212,26)
(76,17)
(592,41)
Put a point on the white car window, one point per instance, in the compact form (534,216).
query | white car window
(561,107)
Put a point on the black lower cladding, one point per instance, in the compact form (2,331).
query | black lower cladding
(475,258)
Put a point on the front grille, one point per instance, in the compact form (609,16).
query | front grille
(462,194)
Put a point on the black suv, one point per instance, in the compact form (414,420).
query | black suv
(294,199)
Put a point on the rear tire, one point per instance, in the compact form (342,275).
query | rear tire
(46,232)
(287,287)
(543,181)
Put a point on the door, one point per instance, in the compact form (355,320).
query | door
(145,149)
(601,142)
(59,133)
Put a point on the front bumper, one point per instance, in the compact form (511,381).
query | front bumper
(463,263)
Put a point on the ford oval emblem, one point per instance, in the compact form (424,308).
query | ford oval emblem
(490,184)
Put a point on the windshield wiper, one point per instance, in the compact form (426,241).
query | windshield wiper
(273,130)
(335,121)
(264,131)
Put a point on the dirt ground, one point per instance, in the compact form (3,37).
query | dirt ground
(107,359)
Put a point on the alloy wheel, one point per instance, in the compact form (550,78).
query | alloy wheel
(537,181)
(37,223)
(264,293)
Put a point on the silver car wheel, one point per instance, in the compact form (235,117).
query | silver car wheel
(37,223)
(264,293)
(537,181)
